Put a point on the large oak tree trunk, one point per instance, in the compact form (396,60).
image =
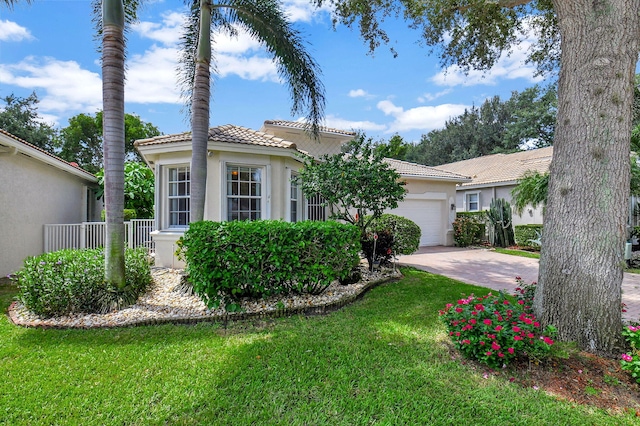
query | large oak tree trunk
(113,138)
(581,264)
(200,115)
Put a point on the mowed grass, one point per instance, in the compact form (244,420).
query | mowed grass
(383,360)
(521,253)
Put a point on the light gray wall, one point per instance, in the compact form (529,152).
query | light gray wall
(33,194)
(529,215)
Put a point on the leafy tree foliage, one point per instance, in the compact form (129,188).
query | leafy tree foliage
(358,185)
(81,140)
(396,148)
(20,118)
(526,119)
(138,188)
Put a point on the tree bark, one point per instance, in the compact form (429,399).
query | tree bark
(581,264)
(113,139)
(200,116)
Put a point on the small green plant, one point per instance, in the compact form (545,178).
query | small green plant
(493,330)
(611,380)
(590,390)
(631,360)
(72,281)
(377,247)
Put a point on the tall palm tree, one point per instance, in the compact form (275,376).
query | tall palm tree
(266,21)
(113,137)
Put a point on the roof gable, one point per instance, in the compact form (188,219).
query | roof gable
(13,145)
(407,169)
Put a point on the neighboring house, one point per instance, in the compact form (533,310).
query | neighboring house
(495,176)
(38,188)
(249,177)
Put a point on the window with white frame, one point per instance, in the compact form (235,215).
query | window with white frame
(244,193)
(316,209)
(295,197)
(179,196)
(473,201)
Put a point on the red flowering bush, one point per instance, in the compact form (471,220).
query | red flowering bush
(631,362)
(494,330)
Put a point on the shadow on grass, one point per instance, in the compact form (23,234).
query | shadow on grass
(381,360)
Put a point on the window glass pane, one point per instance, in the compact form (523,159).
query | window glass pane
(179,190)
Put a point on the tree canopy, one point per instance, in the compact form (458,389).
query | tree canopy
(525,119)
(81,141)
(20,118)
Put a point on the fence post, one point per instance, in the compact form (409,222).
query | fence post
(129,226)
(46,238)
(83,235)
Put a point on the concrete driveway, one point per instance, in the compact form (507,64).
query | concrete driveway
(497,271)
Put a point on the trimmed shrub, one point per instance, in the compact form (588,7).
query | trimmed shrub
(227,261)
(526,234)
(466,231)
(72,281)
(481,218)
(406,234)
(128,214)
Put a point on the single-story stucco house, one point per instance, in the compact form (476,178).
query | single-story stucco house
(38,188)
(495,176)
(249,177)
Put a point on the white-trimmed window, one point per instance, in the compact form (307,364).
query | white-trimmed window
(295,197)
(244,193)
(316,209)
(179,196)
(473,201)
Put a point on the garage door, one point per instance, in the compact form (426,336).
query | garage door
(428,216)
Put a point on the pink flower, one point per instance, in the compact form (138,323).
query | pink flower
(495,346)
(472,321)
(516,337)
(489,353)
(466,341)
(506,302)
(500,355)
(627,357)
(479,307)
(536,324)
(498,328)
(511,350)
(520,302)
(481,343)
(548,340)
(459,310)
(487,321)
(516,329)
(527,321)
(518,278)
(449,305)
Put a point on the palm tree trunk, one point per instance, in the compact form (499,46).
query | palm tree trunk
(113,138)
(200,115)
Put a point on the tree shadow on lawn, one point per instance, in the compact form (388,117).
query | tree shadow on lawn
(385,358)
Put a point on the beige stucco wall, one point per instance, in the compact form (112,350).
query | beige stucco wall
(33,194)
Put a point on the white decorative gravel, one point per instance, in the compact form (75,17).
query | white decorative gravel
(165,303)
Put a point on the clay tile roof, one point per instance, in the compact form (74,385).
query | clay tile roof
(411,169)
(54,157)
(302,125)
(498,168)
(227,133)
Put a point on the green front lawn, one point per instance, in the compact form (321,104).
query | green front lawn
(383,360)
(521,253)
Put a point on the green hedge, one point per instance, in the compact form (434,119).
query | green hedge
(525,233)
(72,281)
(406,234)
(230,260)
(128,214)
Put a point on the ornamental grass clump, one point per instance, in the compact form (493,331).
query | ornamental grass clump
(72,281)
(631,361)
(494,330)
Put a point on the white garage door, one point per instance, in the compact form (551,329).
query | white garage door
(427,215)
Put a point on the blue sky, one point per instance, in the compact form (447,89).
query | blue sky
(49,47)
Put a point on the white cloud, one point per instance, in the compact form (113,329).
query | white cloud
(67,87)
(10,31)
(358,93)
(303,10)
(424,118)
(344,124)
(248,68)
(167,32)
(159,86)
(428,97)
(508,67)
(242,43)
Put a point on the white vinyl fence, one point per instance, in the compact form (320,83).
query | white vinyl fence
(92,235)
